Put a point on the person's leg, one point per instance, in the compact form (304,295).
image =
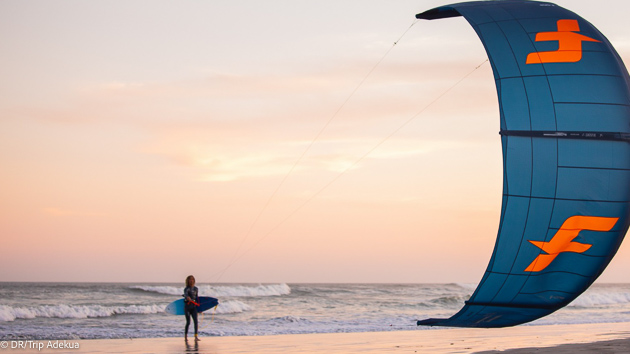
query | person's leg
(195,317)
(187,313)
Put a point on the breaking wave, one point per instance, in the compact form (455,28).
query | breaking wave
(594,298)
(247,291)
(9,313)
(223,291)
(232,307)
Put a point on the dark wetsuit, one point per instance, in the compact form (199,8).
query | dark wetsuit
(190,309)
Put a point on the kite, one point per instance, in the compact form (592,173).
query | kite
(564,100)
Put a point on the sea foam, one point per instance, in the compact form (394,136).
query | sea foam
(223,290)
(10,313)
(597,297)
(246,291)
(167,290)
(232,306)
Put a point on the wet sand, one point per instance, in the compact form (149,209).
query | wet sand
(581,338)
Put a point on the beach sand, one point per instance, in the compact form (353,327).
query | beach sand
(581,338)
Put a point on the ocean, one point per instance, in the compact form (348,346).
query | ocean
(41,311)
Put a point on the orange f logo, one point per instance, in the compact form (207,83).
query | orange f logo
(569,44)
(562,241)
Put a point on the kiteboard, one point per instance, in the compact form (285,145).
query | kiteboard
(177,307)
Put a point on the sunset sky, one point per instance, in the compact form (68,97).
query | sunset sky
(143,141)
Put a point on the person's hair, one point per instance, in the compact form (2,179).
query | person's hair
(190,281)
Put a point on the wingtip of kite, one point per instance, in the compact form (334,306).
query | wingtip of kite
(430,322)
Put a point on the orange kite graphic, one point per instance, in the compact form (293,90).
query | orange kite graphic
(569,44)
(562,241)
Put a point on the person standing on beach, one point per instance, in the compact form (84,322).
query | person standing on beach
(191,300)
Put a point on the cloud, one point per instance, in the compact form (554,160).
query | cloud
(210,95)
(251,157)
(229,126)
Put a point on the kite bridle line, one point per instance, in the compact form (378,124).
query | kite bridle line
(313,196)
(237,256)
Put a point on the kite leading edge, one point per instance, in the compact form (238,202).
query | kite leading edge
(564,98)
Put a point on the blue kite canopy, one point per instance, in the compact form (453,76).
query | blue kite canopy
(564,98)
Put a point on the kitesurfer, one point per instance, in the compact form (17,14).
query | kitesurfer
(191,299)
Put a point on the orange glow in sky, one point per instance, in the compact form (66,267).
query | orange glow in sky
(147,140)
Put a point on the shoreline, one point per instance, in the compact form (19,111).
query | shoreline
(575,338)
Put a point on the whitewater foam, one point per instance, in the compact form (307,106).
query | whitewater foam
(233,306)
(600,298)
(10,313)
(222,291)
(167,290)
(247,291)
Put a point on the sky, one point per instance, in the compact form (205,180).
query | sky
(250,141)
